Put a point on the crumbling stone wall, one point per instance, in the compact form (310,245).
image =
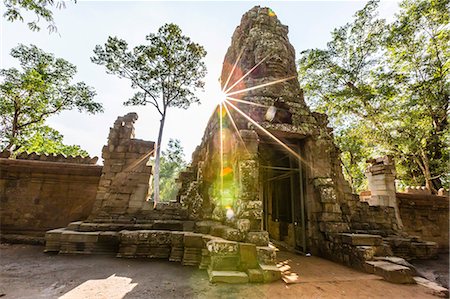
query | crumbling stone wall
(41,192)
(125,181)
(426,216)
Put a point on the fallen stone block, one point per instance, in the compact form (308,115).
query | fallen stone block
(390,272)
(398,261)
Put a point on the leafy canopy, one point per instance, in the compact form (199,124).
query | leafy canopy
(41,8)
(167,71)
(42,88)
(386,89)
(47,140)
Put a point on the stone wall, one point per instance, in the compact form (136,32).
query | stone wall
(426,216)
(37,195)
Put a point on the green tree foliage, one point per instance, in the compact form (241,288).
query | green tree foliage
(50,141)
(29,96)
(41,8)
(166,72)
(172,162)
(386,89)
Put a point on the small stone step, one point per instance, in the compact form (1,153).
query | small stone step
(398,261)
(361,239)
(390,272)
(270,273)
(228,276)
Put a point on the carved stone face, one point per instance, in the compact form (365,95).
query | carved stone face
(261,48)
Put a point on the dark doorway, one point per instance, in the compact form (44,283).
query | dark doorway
(282,187)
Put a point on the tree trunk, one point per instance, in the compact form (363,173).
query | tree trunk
(427,174)
(157,161)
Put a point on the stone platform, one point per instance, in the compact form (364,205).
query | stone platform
(226,261)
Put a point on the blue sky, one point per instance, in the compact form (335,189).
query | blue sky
(85,24)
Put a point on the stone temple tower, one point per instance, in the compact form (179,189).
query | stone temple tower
(271,161)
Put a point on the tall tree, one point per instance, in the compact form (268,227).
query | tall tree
(166,71)
(172,162)
(42,88)
(41,8)
(386,86)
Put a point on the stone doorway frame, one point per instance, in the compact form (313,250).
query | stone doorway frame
(295,173)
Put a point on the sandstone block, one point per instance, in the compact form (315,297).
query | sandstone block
(270,273)
(193,240)
(233,234)
(224,262)
(243,225)
(222,247)
(390,272)
(228,276)
(248,256)
(258,238)
(255,275)
(266,255)
(361,239)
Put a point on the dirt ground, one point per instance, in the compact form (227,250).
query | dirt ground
(26,272)
(434,270)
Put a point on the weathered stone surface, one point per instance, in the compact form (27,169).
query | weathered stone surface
(390,272)
(266,255)
(124,184)
(258,238)
(224,262)
(233,234)
(223,247)
(38,195)
(248,256)
(361,239)
(255,275)
(398,261)
(434,288)
(228,276)
(193,240)
(270,273)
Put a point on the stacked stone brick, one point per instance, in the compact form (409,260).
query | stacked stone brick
(125,182)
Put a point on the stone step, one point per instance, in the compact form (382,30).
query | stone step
(228,276)
(270,273)
(361,239)
(398,261)
(390,272)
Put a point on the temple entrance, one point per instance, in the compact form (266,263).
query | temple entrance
(282,186)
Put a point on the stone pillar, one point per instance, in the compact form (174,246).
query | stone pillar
(381,178)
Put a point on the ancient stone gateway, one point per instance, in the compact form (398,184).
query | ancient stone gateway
(266,167)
